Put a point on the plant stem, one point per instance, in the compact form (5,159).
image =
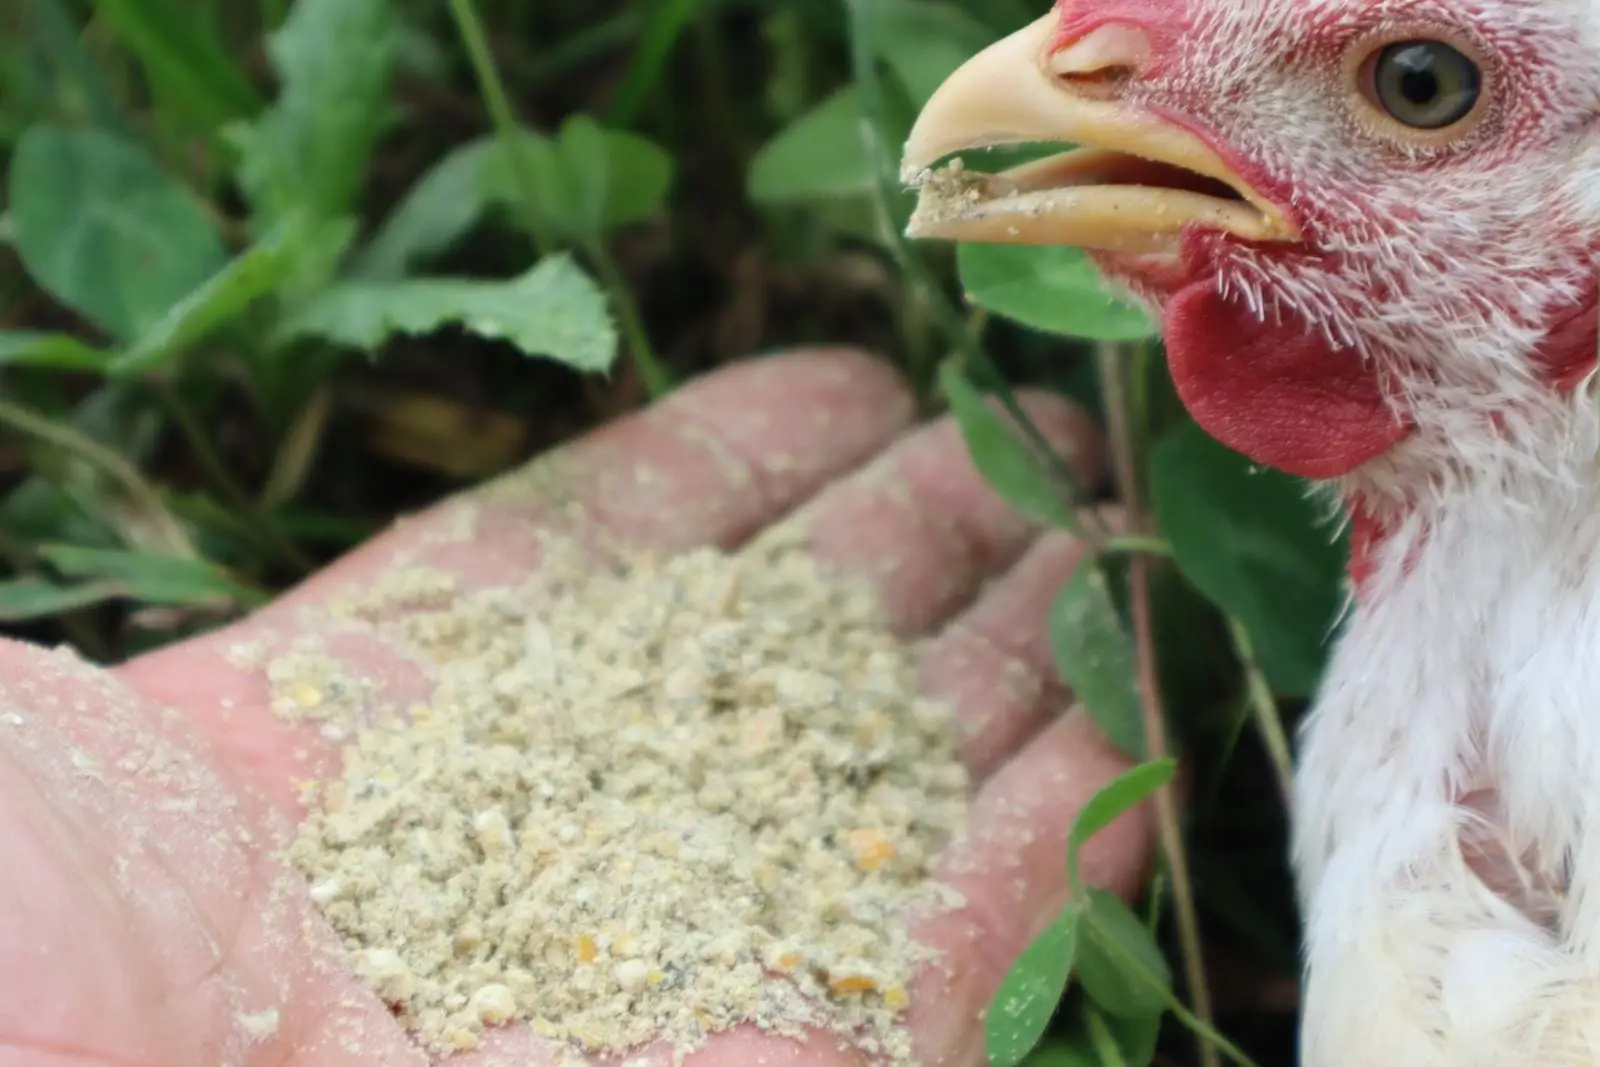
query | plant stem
(262,527)
(1268,723)
(1113,364)
(26,421)
(505,121)
(657,380)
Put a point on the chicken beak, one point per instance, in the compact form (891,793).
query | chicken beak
(1135,184)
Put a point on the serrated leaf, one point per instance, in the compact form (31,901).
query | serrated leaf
(22,599)
(1120,966)
(103,230)
(1053,288)
(587,180)
(438,210)
(1122,794)
(1007,464)
(1096,657)
(257,272)
(182,58)
(820,155)
(151,578)
(1030,992)
(1254,543)
(307,153)
(58,351)
(553,310)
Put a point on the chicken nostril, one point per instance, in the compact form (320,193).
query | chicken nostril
(1105,57)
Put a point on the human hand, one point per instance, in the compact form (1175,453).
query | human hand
(145,918)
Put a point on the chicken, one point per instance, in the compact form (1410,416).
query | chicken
(1370,228)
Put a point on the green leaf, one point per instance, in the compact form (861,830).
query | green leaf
(182,58)
(150,578)
(552,310)
(1030,992)
(924,43)
(1120,966)
(442,206)
(308,152)
(101,228)
(1122,794)
(71,81)
(1256,545)
(820,155)
(22,599)
(1049,287)
(587,180)
(1134,1040)
(1096,657)
(58,351)
(256,273)
(1007,464)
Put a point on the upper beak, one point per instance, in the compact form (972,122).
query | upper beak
(1134,185)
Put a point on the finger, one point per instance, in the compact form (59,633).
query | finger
(147,914)
(924,527)
(719,459)
(994,661)
(1011,872)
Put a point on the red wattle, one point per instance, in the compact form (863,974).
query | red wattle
(1279,393)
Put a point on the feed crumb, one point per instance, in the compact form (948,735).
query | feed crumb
(689,793)
(952,192)
(258,1026)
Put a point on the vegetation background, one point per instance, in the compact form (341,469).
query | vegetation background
(272,272)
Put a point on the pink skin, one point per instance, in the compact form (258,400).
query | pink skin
(143,918)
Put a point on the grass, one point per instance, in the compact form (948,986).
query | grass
(273,272)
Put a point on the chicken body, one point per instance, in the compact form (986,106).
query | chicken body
(1384,282)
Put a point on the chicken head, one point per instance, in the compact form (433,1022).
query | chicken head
(1370,228)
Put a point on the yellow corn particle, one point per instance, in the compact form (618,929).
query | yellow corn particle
(852,983)
(305,694)
(871,848)
(588,950)
(788,961)
(895,998)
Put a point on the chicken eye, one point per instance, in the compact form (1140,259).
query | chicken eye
(1426,85)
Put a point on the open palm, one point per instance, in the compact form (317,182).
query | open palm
(145,920)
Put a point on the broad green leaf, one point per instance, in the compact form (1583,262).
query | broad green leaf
(22,599)
(1255,544)
(1134,1040)
(1007,464)
(70,84)
(1048,287)
(442,206)
(924,43)
(1096,657)
(587,180)
(552,310)
(102,229)
(1120,966)
(226,295)
(1122,794)
(820,155)
(1030,992)
(150,578)
(182,58)
(58,351)
(308,152)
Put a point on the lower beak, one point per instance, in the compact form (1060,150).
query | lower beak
(1135,183)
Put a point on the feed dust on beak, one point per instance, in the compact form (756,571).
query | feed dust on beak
(947,193)
(643,802)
